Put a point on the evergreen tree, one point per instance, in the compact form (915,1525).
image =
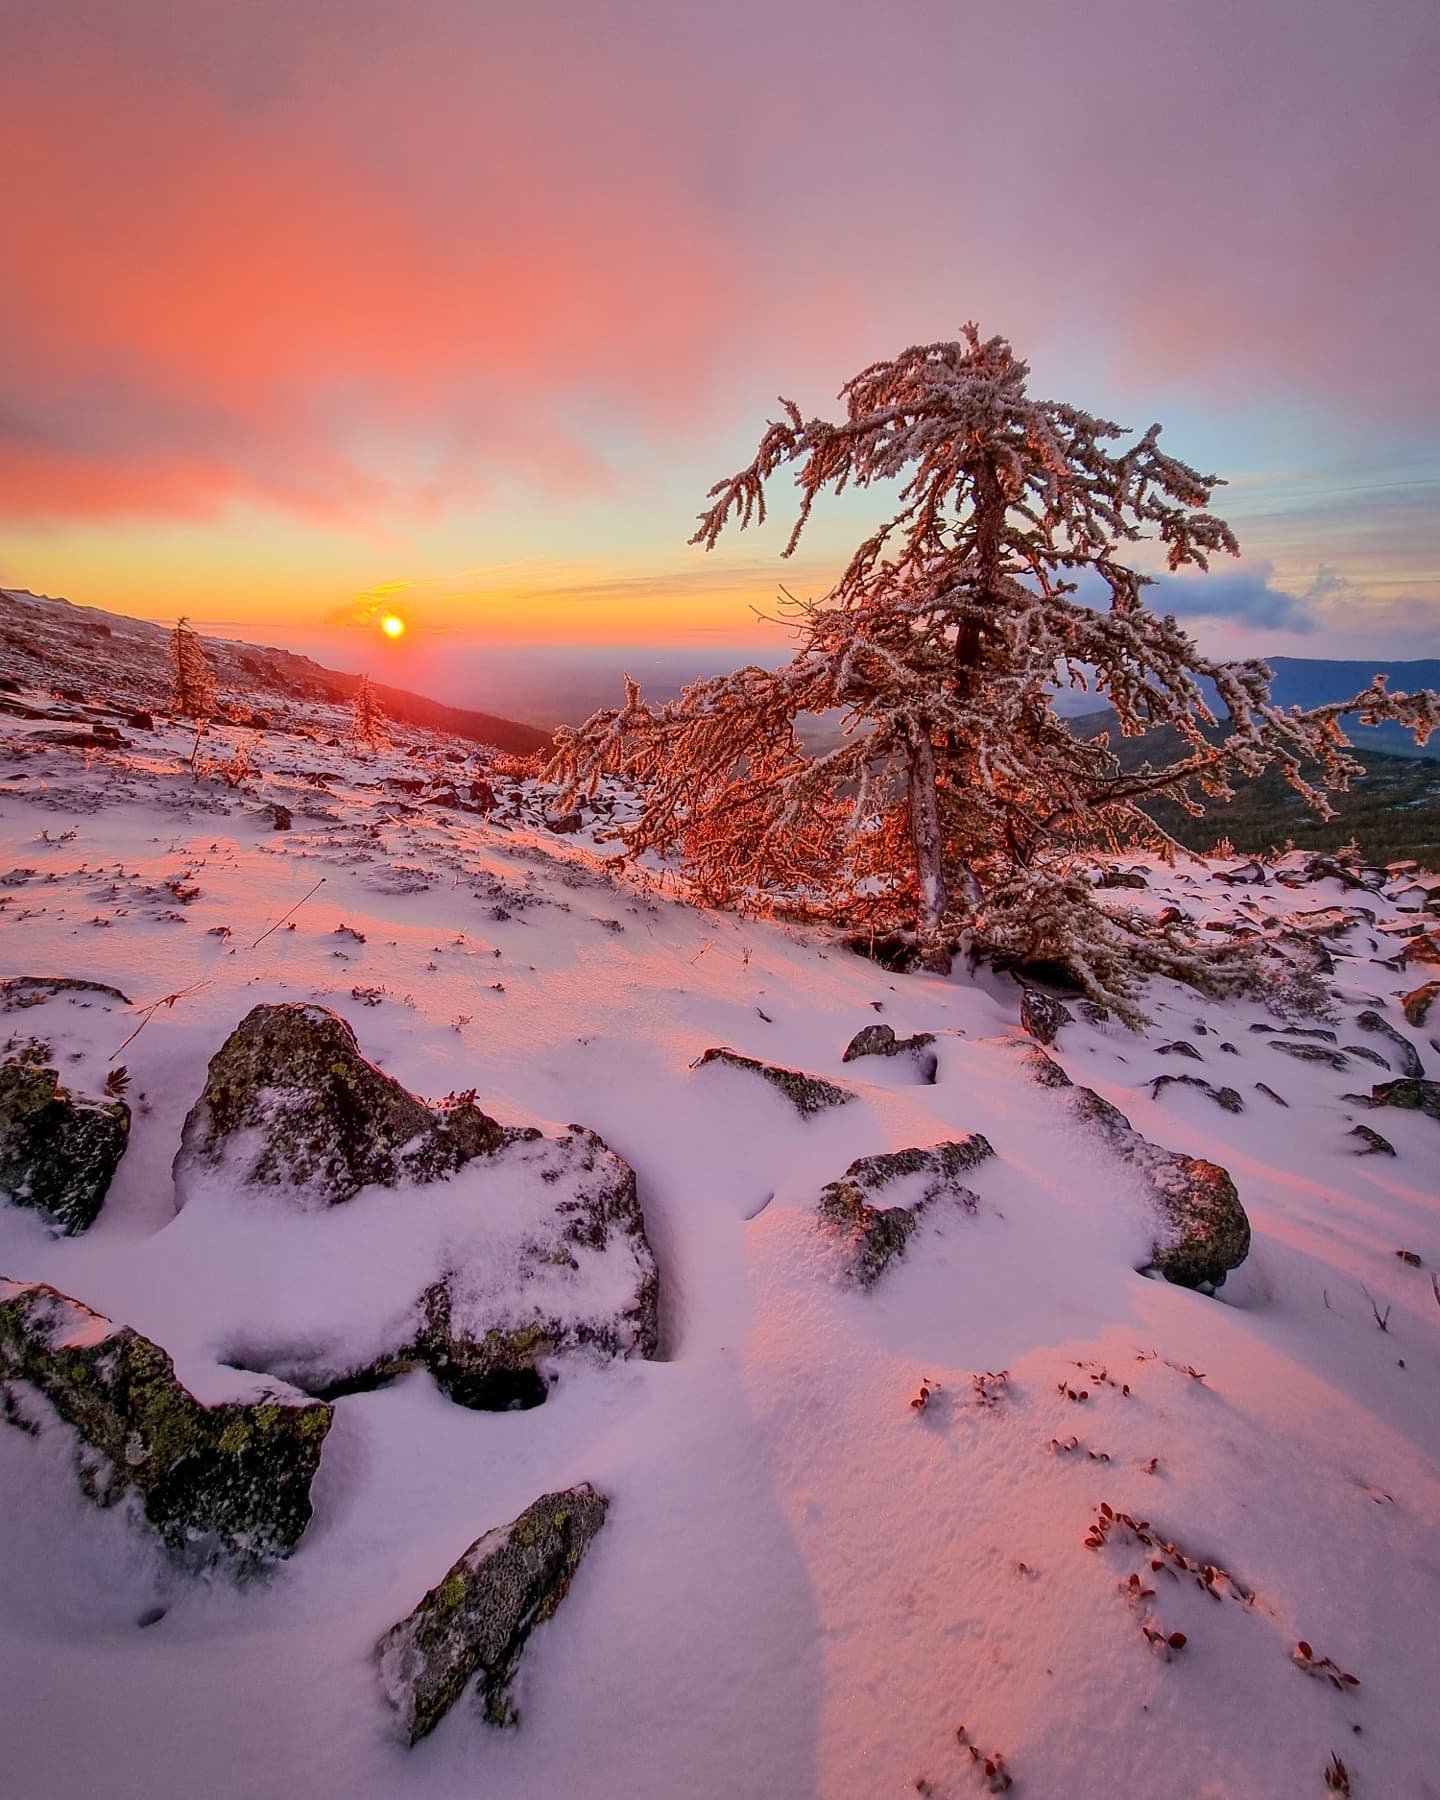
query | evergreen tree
(368,724)
(194,684)
(959,806)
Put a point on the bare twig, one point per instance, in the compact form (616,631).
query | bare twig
(148,1012)
(294,909)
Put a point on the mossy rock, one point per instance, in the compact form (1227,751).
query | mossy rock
(290,1102)
(1206,1232)
(473,1625)
(58,1150)
(808,1094)
(874,1235)
(229,1482)
(1410,1092)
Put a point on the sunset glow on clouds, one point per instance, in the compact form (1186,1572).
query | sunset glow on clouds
(299,301)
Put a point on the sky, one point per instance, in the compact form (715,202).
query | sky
(455,309)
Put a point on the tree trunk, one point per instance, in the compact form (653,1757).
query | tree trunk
(928,839)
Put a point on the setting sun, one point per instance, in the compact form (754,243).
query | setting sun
(392,625)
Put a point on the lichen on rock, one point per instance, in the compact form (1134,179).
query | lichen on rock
(473,1625)
(1412,1094)
(806,1093)
(229,1482)
(874,1236)
(58,1149)
(290,1101)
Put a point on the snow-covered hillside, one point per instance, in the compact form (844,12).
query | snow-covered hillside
(806,1583)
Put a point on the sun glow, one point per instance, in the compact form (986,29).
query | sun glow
(393,625)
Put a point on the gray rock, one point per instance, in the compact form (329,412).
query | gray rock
(1225,1097)
(475,1623)
(1314,1053)
(1042,1015)
(1371,1142)
(58,1150)
(880,1040)
(1366,1054)
(1406,1054)
(874,1236)
(1412,1094)
(1270,1094)
(1206,1233)
(218,1483)
(1180,1048)
(290,1102)
(21,991)
(806,1093)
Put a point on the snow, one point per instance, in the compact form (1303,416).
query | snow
(805,1585)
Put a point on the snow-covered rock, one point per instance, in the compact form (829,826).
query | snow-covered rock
(873,1236)
(806,1093)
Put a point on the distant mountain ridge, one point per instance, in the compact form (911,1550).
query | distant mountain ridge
(43,639)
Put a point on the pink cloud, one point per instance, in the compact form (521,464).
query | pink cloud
(353,257)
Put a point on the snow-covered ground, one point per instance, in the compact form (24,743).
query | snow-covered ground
(805,1585)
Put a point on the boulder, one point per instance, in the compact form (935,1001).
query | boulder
(880,1040)
(1205,1232)
(1042,1015)
(289,1101)
(228,1482)
(1416,1005)
(874,1236)
(484,1345)
(58,1149)
(806,1093)
(1409,1092)
(1371,1142)
(475,1623)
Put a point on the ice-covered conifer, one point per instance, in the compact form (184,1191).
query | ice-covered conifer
(959,805)
(194,684)
(368,724)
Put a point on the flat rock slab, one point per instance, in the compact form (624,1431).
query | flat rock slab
(229,1482)
(808,1094)
(474,1624)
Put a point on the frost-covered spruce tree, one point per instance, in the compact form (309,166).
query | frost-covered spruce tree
(959,805)
(194,684)
(368,724)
